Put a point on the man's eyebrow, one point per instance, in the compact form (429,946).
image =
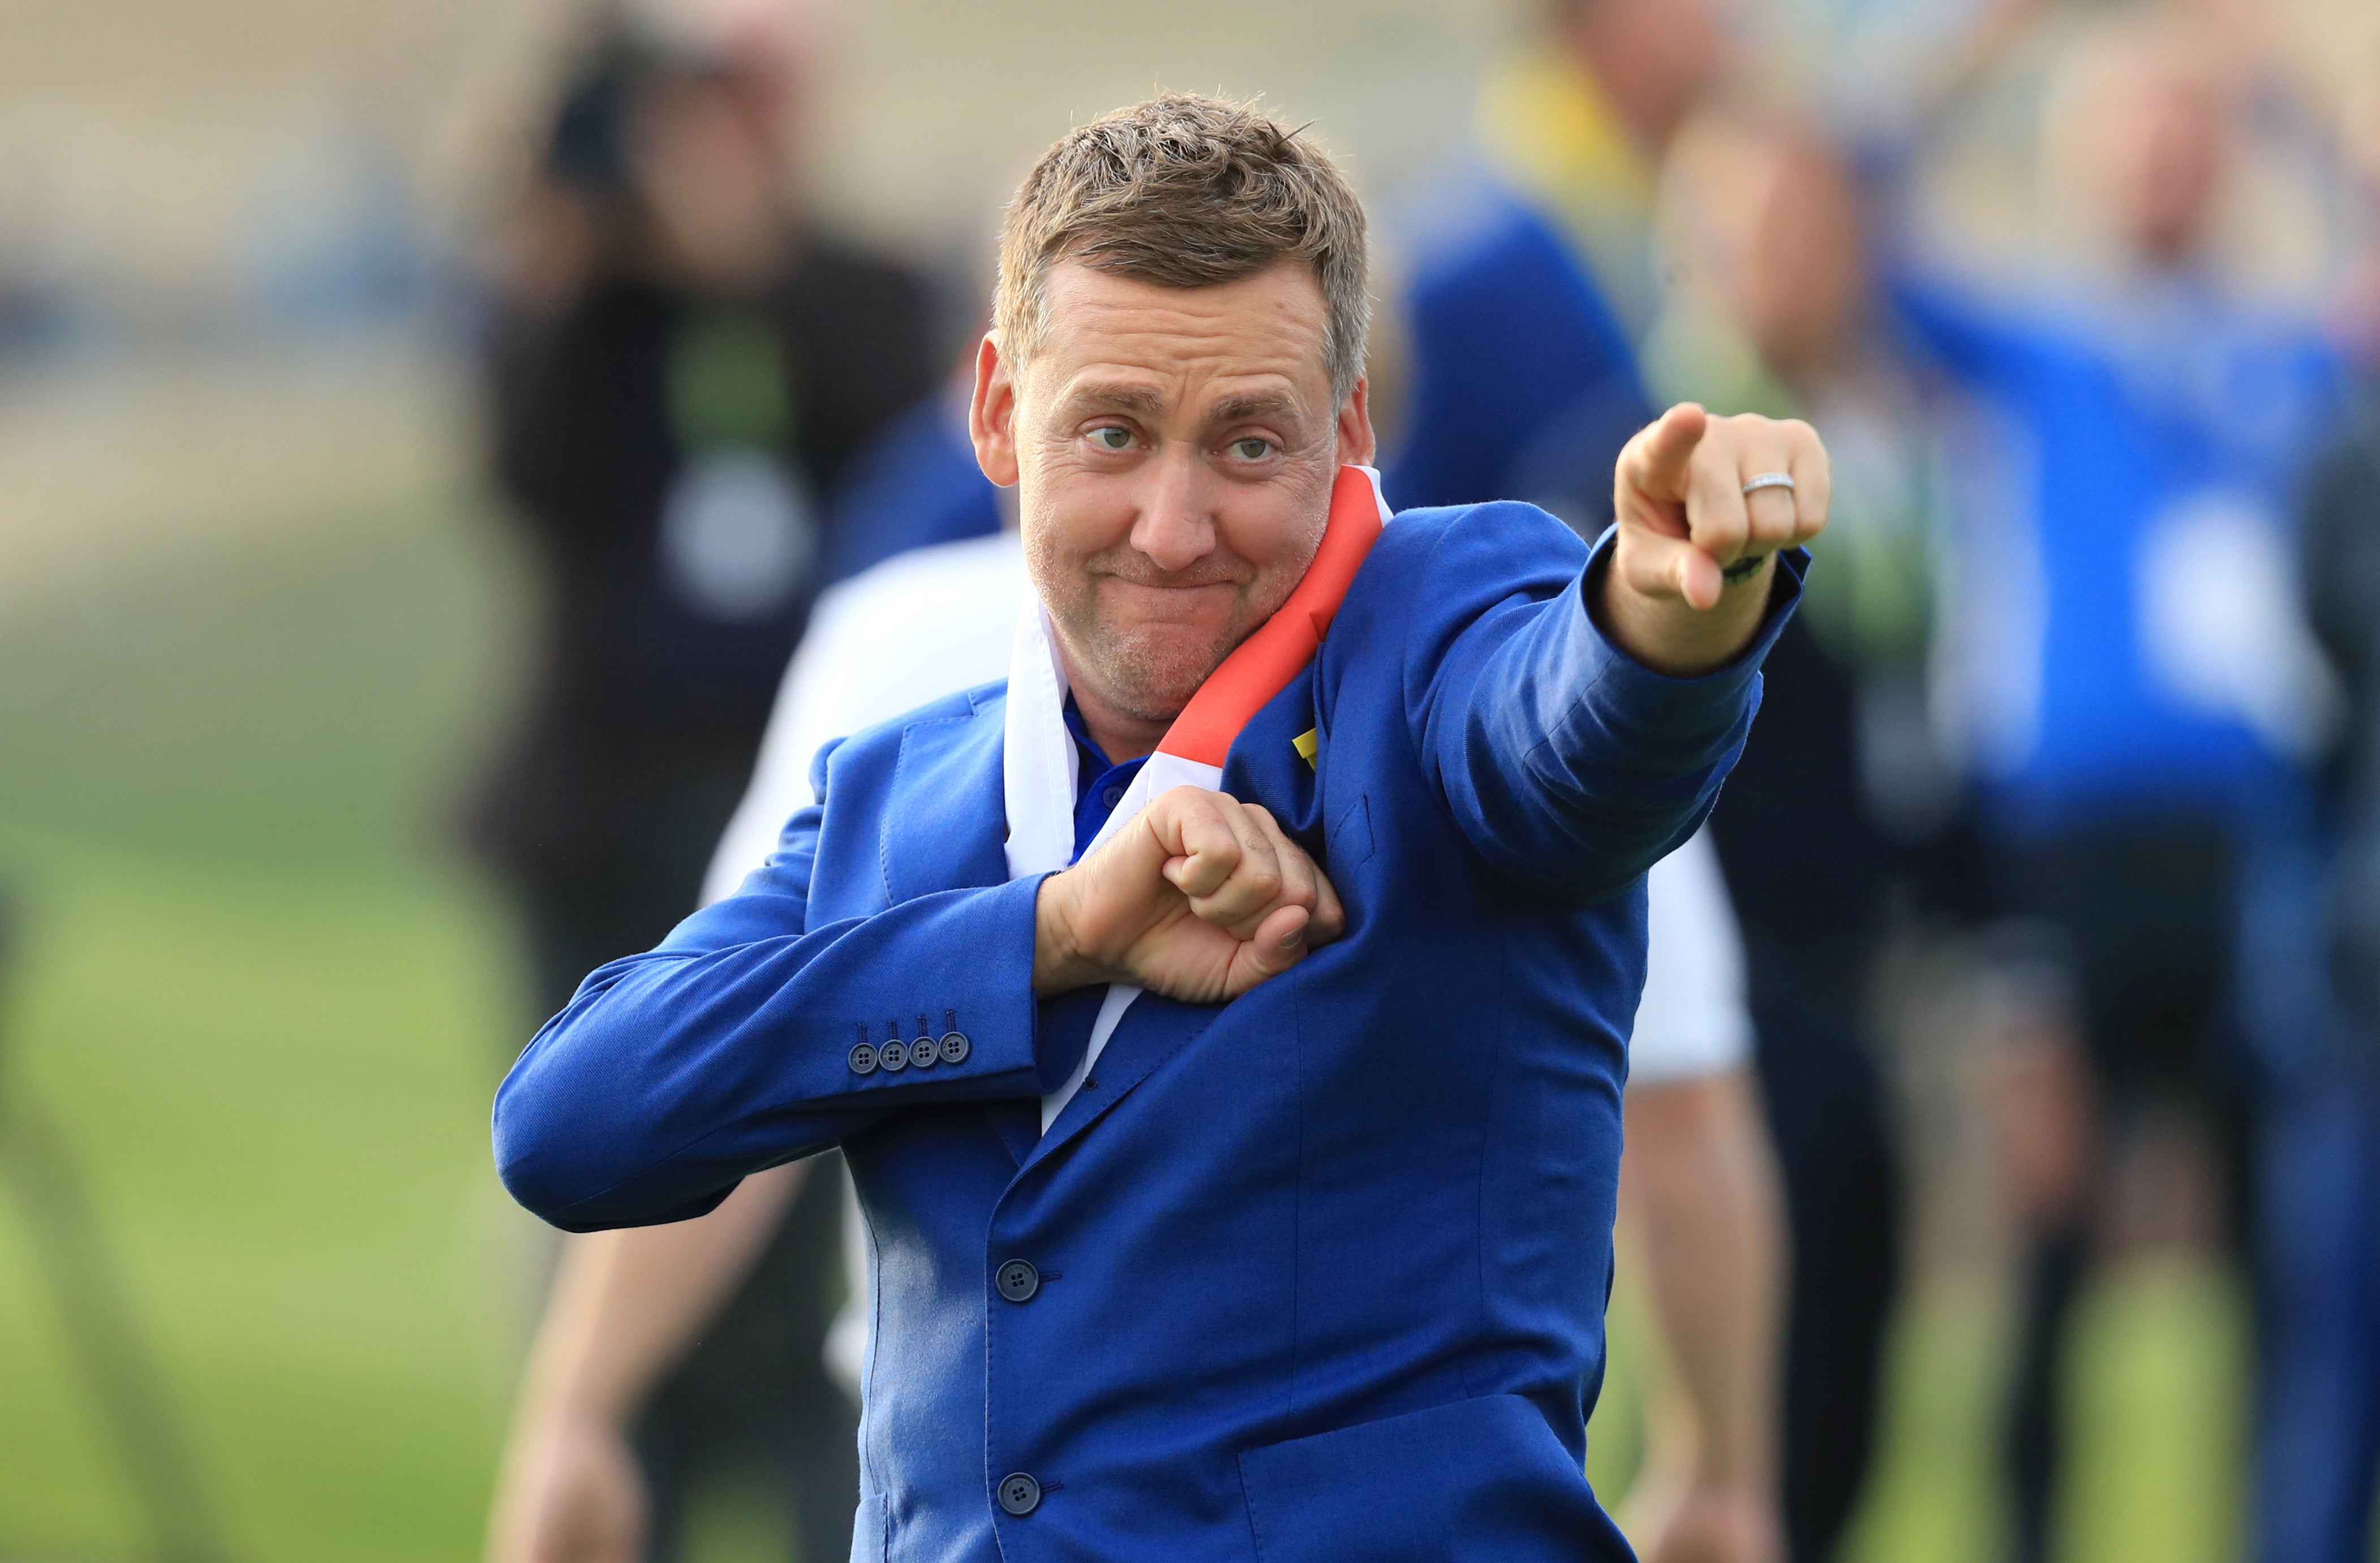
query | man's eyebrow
(1137,399)
(1253,405)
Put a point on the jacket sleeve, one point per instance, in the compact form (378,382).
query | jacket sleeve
(1569,765)
(672,1075)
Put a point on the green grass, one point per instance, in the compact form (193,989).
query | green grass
(267,1012)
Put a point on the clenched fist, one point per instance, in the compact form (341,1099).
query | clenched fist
(1199,898)
(1691,570)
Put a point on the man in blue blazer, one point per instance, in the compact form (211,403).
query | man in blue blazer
(1304,1256)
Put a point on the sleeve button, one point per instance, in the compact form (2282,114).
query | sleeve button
(862,1059)
(955,1047)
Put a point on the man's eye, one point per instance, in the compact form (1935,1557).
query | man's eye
(1252,449)
(1111,438)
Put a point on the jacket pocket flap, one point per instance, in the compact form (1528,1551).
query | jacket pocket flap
(1481,1479)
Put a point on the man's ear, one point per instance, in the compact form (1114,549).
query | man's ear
(1357,447)
(991,413)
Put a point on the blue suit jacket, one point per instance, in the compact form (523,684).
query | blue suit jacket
(1322,1270)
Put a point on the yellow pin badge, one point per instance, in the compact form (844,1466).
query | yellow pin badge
(1307,744)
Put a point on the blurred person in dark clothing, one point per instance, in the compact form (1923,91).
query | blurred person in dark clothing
(682,371)
(1843,800)
(2142,696)
(1532,286)
(2319,1210)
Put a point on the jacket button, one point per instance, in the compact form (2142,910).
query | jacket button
(862,1059)
(923,1054)
(1017,1281)
(955,1047)
(893,1057)
(1019,1493)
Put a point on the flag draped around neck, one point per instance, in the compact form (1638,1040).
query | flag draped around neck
(1038,770)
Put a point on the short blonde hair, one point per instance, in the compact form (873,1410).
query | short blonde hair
(1187,191)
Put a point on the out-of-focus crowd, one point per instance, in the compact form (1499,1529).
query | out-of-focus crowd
(2087,681)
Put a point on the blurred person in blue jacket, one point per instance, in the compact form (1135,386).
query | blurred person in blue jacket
(2138,692)
(683,369)
(2320,1206)
(1219,1307)
(1535,277)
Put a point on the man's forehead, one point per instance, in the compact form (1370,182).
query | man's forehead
(1250,345)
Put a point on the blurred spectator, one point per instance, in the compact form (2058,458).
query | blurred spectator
(1772,306)
(1771,310)
(1535,275)
(683,369)
(1526,310)
(2139,693)
(2320,1206)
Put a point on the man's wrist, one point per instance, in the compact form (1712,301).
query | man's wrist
(1742,572)
(1058,962)
(1674,639)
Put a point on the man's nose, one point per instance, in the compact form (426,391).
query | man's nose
(1176,524)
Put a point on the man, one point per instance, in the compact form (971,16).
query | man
(1696,1174)
(665,324)
(1528,304)
(1247,1183)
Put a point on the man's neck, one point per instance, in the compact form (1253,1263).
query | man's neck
(1120,735)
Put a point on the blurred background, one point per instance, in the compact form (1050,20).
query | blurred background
(283,671)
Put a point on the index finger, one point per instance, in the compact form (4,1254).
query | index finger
(1656,461)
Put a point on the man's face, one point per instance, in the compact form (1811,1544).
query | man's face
(2169,164)
(2154,141)
(710,156)
(1656,58)
(1173,451)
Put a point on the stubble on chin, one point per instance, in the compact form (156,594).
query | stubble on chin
(1150,674)
(1146,672)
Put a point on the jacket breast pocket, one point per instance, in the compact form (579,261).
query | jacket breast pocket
(1351,834)
(1480,1481)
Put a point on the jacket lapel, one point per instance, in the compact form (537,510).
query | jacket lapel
(1152,1031)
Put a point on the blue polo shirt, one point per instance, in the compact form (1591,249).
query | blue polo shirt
(1098,786)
